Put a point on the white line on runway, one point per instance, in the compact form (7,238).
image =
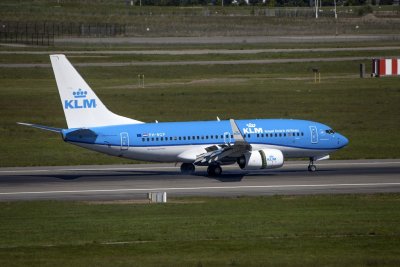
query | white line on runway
(196,188)
(177,167)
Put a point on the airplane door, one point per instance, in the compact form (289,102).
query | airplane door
(227,138)
(314,134)
(124,141)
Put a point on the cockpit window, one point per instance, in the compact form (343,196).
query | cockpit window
(330,131)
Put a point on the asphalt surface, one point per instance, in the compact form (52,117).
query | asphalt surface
(124,182)
(190,62)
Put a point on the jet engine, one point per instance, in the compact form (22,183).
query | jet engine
(261,159)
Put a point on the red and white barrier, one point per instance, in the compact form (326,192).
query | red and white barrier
(385,67)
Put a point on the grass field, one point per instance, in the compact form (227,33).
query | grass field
(342,230)
(99,57)
(200,20)
(364,110)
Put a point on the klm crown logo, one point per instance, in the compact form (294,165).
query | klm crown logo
(79,94)
(79,101)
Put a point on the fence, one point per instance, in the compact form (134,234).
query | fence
(27,38)
(43,33)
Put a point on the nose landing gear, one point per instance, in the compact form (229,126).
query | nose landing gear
(311,166)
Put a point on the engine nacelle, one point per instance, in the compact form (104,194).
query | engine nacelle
(261,159)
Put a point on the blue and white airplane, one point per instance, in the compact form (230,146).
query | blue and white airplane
(252,144)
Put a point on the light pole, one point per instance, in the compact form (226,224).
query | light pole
(334,1)
(336,30)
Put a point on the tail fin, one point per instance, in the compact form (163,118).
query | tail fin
(82,107)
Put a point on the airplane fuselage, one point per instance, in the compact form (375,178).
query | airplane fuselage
(182,141)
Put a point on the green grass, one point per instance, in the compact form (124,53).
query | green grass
(364,110)
(101,57)
(342,230)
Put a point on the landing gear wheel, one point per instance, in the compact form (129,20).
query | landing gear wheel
(214,170)
(312,168)
(187,168)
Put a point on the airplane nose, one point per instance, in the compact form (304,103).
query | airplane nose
(343,140)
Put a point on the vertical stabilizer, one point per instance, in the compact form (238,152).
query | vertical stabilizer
(82,107)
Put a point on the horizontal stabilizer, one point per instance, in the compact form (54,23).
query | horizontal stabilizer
(42,127)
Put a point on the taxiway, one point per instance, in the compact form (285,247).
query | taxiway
(118,182)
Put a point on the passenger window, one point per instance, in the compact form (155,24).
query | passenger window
(152,139)
(258,135)
(157,139)
(148,139)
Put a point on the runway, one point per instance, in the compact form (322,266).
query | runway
(121,182)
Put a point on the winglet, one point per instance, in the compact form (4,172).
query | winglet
(237,135)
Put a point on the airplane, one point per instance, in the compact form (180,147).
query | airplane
(253,144)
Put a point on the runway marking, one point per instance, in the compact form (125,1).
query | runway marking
(177,167)
(194,188)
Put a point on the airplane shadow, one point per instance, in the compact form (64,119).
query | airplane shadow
(132,175)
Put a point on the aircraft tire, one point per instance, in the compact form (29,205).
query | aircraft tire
(214,170)
(217,170)
(187,168)
(312,168)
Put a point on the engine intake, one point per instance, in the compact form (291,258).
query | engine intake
(261,159)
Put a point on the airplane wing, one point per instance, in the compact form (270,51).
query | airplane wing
(217,153)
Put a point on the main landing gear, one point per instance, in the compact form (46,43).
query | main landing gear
(187,168)
(214,170)
(311,166)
